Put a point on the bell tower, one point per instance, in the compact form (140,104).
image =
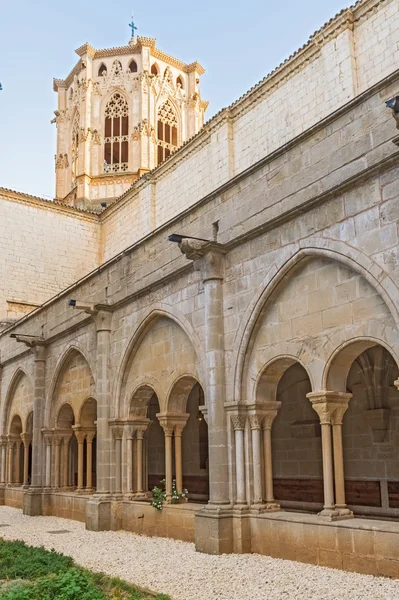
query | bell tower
(121,112)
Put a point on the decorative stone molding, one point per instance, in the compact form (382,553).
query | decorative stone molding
(330,406)
(238,421)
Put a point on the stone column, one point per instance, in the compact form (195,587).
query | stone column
(89,460)
(11,447)
(270,415)
(139,455)
(208,259)
(3,458)
(129,458)
(57,461)
(34,507)
(17,478)
(47,442)
(168,431)
(339,473)
(178,430)
(26,439)
(65,461)
(325,403)
(256,428)
(239,426)
(103,321)
(117,432)
(80,436)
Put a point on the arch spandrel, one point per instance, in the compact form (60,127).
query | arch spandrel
(73,385)
(184,354)
(19,399)
(309,313)
(287,261)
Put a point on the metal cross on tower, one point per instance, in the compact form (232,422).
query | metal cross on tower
(132,27)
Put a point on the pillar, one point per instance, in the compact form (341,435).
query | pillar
(89,460)
(129,461)
(139,455)
(256,428)
(339,473)
(3,459)
(11,446)
(65,461)
(325,403)
(38,417)
(80,436)
(17,476)
(47,443)
(269,416)
(239,426)
(57,461)
(168,431)
(26,439)
(117,433)
(208,259)
(178,431)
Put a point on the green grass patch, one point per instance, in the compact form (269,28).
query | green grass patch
(29,573)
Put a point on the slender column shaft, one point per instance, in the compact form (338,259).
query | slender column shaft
(327,466)
(18,464)
(168,465)
(118,466)
(338,465)
(3,475)
(89,463)
(26,462)
(129,449)
(257,465)
(48,465)
(11,463)
(104,440)
(178,463)
(267,442)
(80,464)
(57,463)
(240,466)
(139,448)
(65,455)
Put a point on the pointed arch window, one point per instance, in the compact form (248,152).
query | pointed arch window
(75,147)
(167,131)
(133,66)
(116,140)
(102,70)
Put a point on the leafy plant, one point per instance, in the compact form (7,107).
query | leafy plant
(19,561)
(159,495)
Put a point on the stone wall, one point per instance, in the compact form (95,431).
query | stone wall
(44,248)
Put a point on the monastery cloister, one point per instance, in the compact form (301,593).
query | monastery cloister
(229,323)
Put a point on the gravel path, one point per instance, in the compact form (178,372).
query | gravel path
(174,568)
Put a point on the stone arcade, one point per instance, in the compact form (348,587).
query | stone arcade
(281,330)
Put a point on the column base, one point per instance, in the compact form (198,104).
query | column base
(214,530)
(344,512)
(265,507)
(329,514)
(141,496)
(98,513)
(33,502)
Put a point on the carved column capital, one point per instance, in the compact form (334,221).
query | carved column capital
(208,257)
(330,406)
(90,435)
(26,438)
(79,434)
(255,421)
(3,441)
(238,421)
(48,436)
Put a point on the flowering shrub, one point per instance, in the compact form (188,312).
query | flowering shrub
(159,495)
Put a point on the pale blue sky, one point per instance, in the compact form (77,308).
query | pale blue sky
(237,42)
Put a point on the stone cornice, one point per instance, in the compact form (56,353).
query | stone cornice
(55,206)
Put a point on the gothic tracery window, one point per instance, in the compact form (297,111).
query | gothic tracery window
(166,131)
(116,140)
(75,147)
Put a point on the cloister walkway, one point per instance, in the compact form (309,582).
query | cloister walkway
(174,568)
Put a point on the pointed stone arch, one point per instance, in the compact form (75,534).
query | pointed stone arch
(19,374)
(286,261)
(149,318)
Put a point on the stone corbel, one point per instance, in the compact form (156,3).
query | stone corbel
(208,257)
